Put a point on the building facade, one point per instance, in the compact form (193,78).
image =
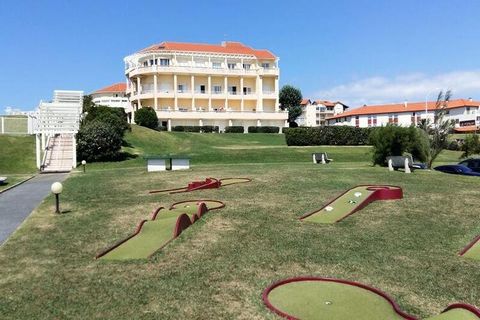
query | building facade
(464,112)
(114,96)
(201,84)
(315,113)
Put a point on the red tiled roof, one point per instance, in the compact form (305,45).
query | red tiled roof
(467,129)
(117,87)
(304,102)
(228,47)
(326,103)
(401,107)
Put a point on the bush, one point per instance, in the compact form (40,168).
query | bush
(471,145)
(334,135)
(234,129)
(264,129)
(178,128)
(394,140)
(161,128)
(98,141)
(116,117)
(146,117)
(453,145)
(209,129)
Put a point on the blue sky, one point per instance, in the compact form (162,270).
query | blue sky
(353,51)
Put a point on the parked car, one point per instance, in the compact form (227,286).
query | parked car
(457,169)
(472,163)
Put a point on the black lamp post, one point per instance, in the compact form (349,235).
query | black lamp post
(84,164)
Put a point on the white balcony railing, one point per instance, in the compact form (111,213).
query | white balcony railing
(200,69)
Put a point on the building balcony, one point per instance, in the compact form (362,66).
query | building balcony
(132,72)
(268,94)
(186,114)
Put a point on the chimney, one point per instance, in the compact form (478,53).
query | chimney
(405,104)
(470,99)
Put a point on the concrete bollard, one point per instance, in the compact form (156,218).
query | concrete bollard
(390,165)
(313,156)
(407,167)
(323,158)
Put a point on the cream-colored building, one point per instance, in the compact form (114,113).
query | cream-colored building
(202,84)
(114,96)
(315,113)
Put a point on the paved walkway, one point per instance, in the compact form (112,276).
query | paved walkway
(16,204)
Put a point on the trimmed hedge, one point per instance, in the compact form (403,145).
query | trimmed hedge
(206,129)
(234,129)
(265,129)
(334,135)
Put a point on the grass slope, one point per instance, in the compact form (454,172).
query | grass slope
(218,269)
(17,154)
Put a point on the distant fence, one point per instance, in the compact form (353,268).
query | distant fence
(15,125)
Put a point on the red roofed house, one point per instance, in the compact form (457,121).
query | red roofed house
(465,113)
(114,96)
(315,113)
(229,84)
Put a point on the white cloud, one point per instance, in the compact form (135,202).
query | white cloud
(411,87)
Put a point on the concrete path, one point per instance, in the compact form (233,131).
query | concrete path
(16,204)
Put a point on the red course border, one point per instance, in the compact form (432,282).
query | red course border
(389,299)
(180,225)
(209,183)
(381,192)
(470,245)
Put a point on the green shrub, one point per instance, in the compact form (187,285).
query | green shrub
(146,117)
(234,129)
(264,129)
(209,129)
(98,141)
(393,140)
(471,145)
(453,145)
(178,128)
(334,135)
(116,117)
(161,128)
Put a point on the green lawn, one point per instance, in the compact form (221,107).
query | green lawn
(17,154)
(218,268)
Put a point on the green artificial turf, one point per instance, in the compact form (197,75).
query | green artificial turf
(154,234)
(341,207)
(473,252)
(330,300)
(455,314)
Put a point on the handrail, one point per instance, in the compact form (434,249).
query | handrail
(46,151)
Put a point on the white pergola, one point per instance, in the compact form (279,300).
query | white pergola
(60,116)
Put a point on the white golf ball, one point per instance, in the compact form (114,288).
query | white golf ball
(358,194)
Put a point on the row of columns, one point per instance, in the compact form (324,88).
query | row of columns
(259,92)
(230,123)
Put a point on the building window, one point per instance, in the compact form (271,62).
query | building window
(374,121)
(145,63)
(165,62)
(369,121)
(357,121)
(232,90)
(181,88)
(266,65)
(231,66)
(318,122)
(217,65)
(246,66)
(247,90)
(395,118)
(151,62)
(217,89)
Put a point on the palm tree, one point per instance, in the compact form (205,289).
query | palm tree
(439,130)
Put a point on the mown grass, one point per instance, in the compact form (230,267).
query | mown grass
(219,267)
(13,179)
(17,154)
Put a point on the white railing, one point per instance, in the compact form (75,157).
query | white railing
(200,69)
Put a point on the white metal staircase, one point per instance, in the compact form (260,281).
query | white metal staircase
(56,124)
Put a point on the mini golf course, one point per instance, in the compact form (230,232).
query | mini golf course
(351,201)
(164,226)
(472,250)
(208,183)
(334,299)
